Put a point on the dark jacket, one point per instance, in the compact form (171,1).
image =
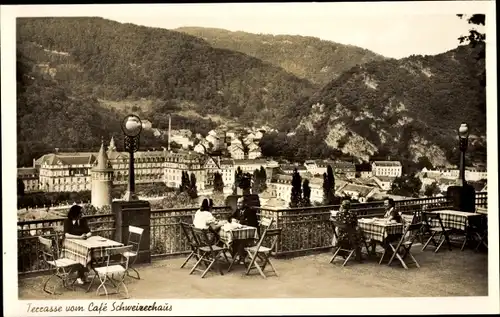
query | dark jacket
(76,229)
(246,216)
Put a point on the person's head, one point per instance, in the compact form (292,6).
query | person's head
(210,204)
(204,205)
(75,212)
(239,203)
(345,205)
(389,202)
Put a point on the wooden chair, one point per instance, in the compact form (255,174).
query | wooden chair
(187,229)
(208,252)
(403,248)
(63,267)
(134,239)
(107,273)
(349,249)
(262,252)
(430,220)
(478,228)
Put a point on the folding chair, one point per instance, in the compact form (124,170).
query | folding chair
(107,273)
(352,236)
(403,248)
(62,266)
(208,252)
(262,252)
(478,228)
(428,218)
(187,229)
(134,239)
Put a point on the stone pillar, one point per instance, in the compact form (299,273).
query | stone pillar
(463,198)
(134,213)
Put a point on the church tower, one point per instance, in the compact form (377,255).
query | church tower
(102,180)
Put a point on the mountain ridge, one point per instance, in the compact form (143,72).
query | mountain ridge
(307,57)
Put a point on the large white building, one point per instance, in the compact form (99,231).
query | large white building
(387,168)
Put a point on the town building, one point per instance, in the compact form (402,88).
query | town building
(387,168)
(385,182)
(30,178)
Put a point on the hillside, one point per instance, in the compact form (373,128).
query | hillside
(114,61)
(310,58)
(408,108)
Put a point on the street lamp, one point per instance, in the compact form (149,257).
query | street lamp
(463,139)
(131,127)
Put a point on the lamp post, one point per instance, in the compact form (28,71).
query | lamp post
(463,139)
(131,127)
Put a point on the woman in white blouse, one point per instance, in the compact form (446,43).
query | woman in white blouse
(203,218)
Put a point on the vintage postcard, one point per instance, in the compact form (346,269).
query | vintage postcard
(249,159)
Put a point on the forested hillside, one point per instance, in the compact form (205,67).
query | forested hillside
(407,108)
(117,61)
(316,60)
(66,65)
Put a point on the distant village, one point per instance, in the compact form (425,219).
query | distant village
(224,150)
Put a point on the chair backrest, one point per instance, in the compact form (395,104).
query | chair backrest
(274,234)
(113,251)
(429,217)
(46,247)
(134,237)
(190,236)
(202,238)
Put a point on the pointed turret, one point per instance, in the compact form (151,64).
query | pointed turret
(102,159)
(102,180)
(112,146)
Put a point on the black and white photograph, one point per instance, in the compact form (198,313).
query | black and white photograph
(273,158)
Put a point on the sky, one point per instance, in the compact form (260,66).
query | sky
(391,33)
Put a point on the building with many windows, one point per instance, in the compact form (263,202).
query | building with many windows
(387,168)
(29,177)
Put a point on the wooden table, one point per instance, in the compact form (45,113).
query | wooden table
(244,233)
(458,221)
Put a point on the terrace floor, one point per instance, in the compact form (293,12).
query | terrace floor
(447,273)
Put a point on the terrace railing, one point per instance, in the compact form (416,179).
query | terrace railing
(303,229)
(28,260)
(167,237)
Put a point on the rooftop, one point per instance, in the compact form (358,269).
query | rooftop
(387,163)
(447,273)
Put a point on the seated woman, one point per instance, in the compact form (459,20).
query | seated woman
(203,218)
(75,227)
(346,217)
(391,213)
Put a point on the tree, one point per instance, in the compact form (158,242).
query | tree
(306,193)
(20,187)
(296,194)
(238,174)
(432,190)
(185,182)
(193,191)
(218,183)
(256,182)
(406,185)
(263,179)
(328,186)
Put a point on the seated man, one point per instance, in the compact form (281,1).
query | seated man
(75,227)
(245,216)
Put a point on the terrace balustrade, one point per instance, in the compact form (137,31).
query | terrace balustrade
(303,229)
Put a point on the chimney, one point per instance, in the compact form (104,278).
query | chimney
(56,149)
(34,163)
(169,128)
